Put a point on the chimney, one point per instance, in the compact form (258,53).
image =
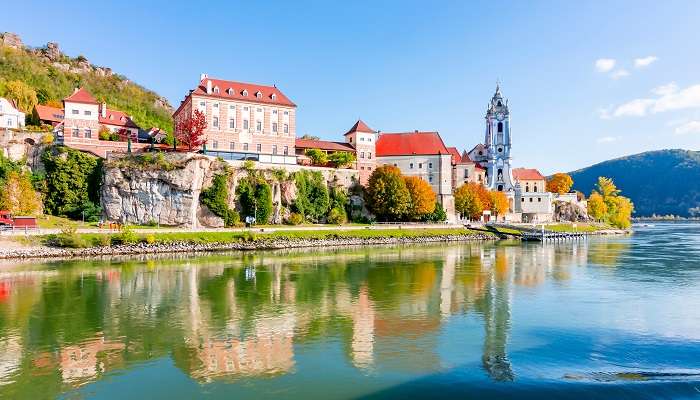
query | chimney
(415,131)
(208,87)
(203,77)
(103,110)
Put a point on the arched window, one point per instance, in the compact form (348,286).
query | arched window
(500,127)
(527,188)
(535,189)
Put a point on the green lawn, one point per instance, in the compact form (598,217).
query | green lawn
(580,227)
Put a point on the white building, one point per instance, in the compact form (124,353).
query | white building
(10,116)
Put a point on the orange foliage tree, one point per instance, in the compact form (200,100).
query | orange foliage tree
(560,183)
(499,203)
(190,131)
(468,200)
(422,197)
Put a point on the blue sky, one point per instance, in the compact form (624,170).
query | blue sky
(587,81)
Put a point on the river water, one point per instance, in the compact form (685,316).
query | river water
(615,317)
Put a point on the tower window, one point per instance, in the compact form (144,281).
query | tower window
(500,127)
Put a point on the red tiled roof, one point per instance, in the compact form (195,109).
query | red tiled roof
(359,126)
(81,96)
(456,158)
(48,113)
(527,174)
(117,118)
(236,92)
(323,145)
(409,143)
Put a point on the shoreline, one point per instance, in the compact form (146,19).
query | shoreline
(258,244)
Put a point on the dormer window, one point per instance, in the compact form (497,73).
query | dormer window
(499,103)
(216,89)
(245,92)
(258,94)
(273,96)
(229,91)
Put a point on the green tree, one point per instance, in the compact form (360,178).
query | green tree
(255,198)
(387,195)
(73,179)
(312,200)
(318,157)
(215,197)
(341,159)
(438,215)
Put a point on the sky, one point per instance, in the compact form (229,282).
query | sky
(586,81)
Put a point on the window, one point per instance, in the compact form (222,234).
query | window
(535,189)
(87,112)
(286,150)
(362,139)
(430,165)
(530,199)
(88,133)
(245,124)
(430,179)
(274,112)
(527,188)
(216,90)
(229,91)
(215,122)
(75,112)
(350,139)
(215,144)
(420,165)
(245,92)
(410,165)
(500,127)
(274,127)
(258,95)
(258,126)
(362,155)
(245,146)
(539,199)
(76,132)
(245,109)
(274,149)
(466,173)
(202,104)
(285,128)
(258,110)
(215,105)
(232,146)
(362,168)
(231,123)
(286,113)
(369,156)
(273,96)
(395,165)
(232,107)
(258,147)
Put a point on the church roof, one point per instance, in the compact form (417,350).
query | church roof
(410,143)
(359,126)
(527,174)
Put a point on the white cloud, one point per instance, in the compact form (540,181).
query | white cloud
(644,61)
(620,73)
(688,128)
(669,98)
(605,64)
(607,139)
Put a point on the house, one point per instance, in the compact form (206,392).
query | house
(364,140)
(532,201)
(464,170)
(244,120)
(47,115)
(301,145)
(10,115)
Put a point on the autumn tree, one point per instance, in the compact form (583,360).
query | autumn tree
(499,203)
(387,195)
(22,94)
(422,197)
(596,207)
(468,201)
(18,196)
(190,131)
(317,156)
(342,159)
(560,183)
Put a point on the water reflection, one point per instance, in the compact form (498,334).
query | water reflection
(228,317)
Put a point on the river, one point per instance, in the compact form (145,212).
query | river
(607,317)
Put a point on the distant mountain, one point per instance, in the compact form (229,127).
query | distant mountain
(658,182)
(53,76)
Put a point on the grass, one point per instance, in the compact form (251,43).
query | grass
(580,227)
(79,240)
(53,222)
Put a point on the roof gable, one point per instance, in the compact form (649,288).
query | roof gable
(360,126)
(81,96)
(323,145)
(527,174)
(48,113)
(251,92)
(410,143)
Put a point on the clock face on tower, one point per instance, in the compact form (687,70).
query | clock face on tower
(500,116)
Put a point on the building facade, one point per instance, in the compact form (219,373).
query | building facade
(532,201)
(364,140)
(245,121)
(10,115)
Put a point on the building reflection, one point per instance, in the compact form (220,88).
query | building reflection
(246,315)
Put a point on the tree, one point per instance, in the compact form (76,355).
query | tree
(468,201)
(306,136)
(255,198)
(190,131)
(438,215)
(18,196)
(560,183)
(341,159)
(422,197)
(499,203)
(72,179)
(387,195)
(312,200)
(318,157)
(606,188)
(621,218)
(22,94)
(596,207)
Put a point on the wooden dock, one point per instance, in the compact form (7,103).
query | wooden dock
(542,235)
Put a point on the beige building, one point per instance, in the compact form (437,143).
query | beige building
(532,201)
(244,120)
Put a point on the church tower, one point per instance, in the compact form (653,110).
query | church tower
(497,144)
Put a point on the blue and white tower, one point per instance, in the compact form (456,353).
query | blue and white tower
(497,144)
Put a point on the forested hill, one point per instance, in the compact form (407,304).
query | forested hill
(49,75)
(658,182)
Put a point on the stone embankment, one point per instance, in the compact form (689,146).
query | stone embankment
(258,244)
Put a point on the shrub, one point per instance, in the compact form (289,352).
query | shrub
(47,139)
(312,199)
(215,198)
(255,198)
(295,219)
(152,222)
(126,236)
(318,157)
(72,179)
(69,237)
(337,216)
(150,239)
(103,240)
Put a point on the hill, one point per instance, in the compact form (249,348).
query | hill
(53,75)
(658,182)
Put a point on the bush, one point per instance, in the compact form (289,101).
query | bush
(69,238)
(438,215)
(73,179)
(150,239)
(103,240)
(295,219)
(126,236)
(255,198)
(312,199)
(337,216)
(215,198)
(47,139)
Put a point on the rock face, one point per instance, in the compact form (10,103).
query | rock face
(565,211)
(12,40)
(141,196)
(52,52)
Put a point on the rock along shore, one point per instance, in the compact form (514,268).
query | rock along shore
(259,244)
